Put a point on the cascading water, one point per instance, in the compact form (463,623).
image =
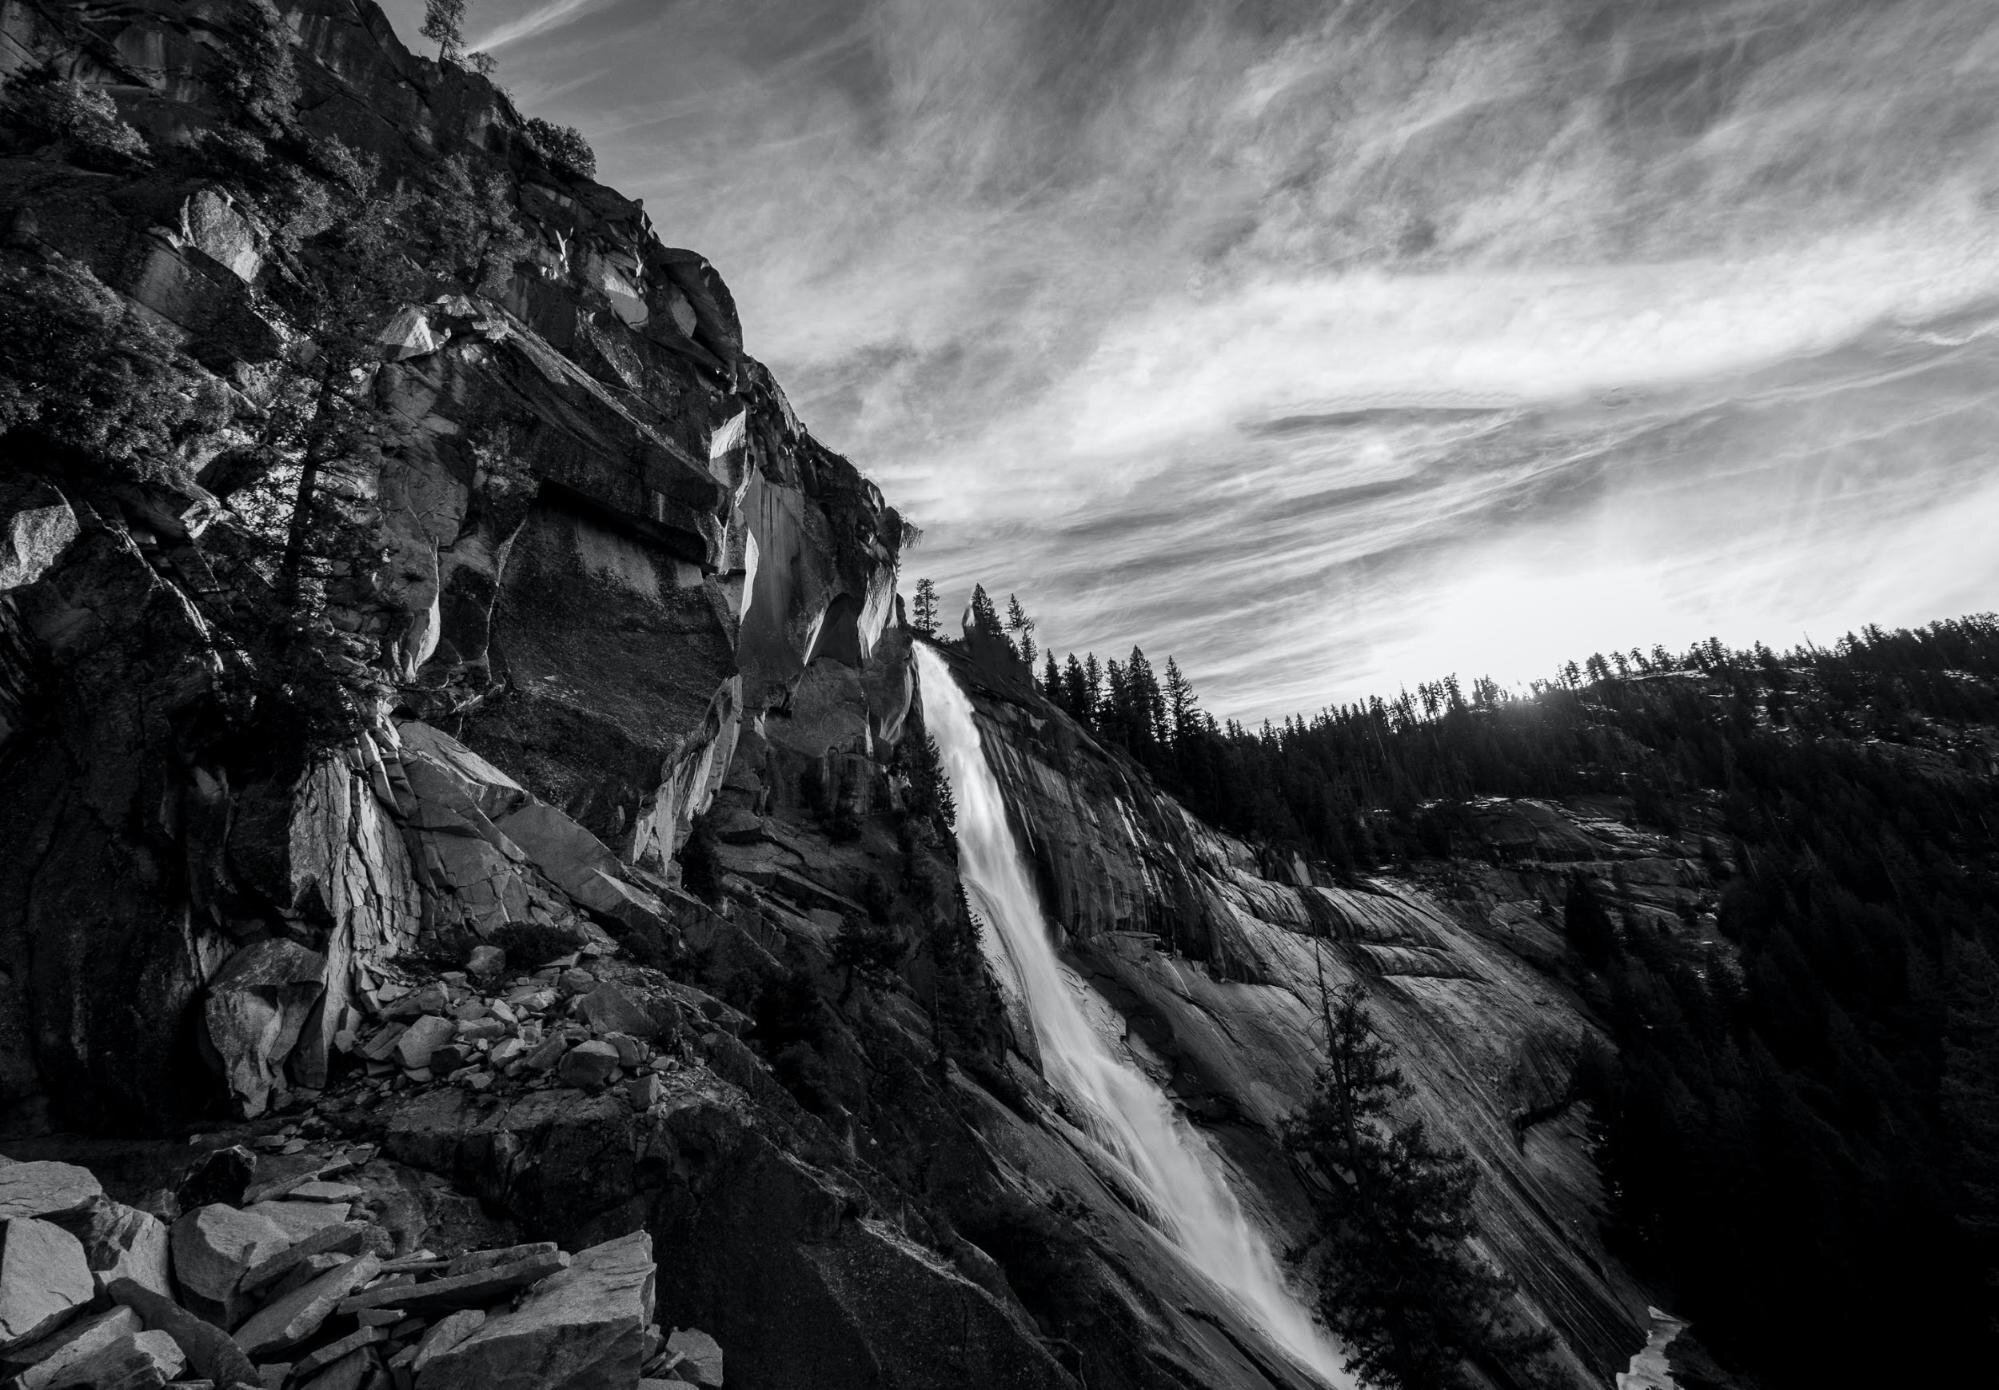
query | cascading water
(1164,1163)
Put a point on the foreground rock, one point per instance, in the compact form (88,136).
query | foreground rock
(43,1279)
(580,1328)
(332,1308)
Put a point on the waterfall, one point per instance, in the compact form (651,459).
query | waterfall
(1170,1168)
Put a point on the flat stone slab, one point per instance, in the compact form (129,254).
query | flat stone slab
(347,1238)
(463,1291)
(300,1219)
(43,1279)
(38,1364)
(293,1319)
(338,1350)
(46,1189)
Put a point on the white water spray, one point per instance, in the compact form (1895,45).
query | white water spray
(1163,1162)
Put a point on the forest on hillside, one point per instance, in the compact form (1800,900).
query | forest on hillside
(1799,1129)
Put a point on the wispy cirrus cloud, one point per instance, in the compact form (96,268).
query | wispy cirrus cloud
(1332,348)
(539,20)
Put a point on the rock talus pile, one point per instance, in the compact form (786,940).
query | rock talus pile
(233,1298)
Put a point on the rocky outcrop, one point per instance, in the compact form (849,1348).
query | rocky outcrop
(574,520)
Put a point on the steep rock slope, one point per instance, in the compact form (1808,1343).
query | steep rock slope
(1215,954)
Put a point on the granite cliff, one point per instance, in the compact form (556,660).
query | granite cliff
(455,741)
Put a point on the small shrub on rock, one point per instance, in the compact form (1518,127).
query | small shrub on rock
(232,152)
(82,120)
(262,77)
(564,145)
(81,370)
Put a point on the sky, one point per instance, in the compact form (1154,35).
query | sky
(1332,347)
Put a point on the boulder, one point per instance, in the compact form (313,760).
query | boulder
(611,1008)
(121,1242)
(422,1038)
(35,535)
(222,1175)
(548,1053)
(214,1247)
(258,1005)
(207,1347)
(581,1329)
(133,1361)
(700,1357)
(37,1365)
(46,1189)
(43,1279)
(293,1319)
(486,963)
(588,1064)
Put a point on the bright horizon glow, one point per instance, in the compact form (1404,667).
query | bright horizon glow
(1332,351)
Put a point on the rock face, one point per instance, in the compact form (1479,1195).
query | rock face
(565,482)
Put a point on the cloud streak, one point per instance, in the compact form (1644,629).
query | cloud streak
(1333,349)
(539,20)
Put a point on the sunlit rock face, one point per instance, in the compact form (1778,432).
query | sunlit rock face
(1215,957)
(586,531)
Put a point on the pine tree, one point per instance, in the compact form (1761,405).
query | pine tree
(1397,1282)
(1020,629)
(1076,690)
(1051,681)
(925,618)
(1147,710)
(444,23)
(1182,711)
(985,618)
